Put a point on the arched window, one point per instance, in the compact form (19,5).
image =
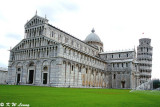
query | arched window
(29,54)
(31,64)
(126,64)
(47,52)
(64,50)
(45,68)
(69,52)
(114,76)
(72,67)
(52,34)
(59,37)
(19,69)
(86,71)
(48,42)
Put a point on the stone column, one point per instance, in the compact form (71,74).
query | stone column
(38,71)
(76,76)
(98,78)
(89,77)
(83,76)
(63,74)
(86,77)
(12,75)
(72,75)
(54,51)
(94,79)
(68,70)
(53,73)
(80,76)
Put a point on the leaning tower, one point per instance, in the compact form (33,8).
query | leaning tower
(144,57)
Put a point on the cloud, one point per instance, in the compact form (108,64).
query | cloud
(48,11)
(52,9)
(69,6)
(13,36)
(1,16)
(4,53)
(3,46)
(3,64)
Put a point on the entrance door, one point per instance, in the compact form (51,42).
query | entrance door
(18,78)
(123,84)
(44,78)
(31,74)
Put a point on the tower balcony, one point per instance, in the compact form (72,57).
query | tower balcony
(142,53)
(145,68)
(145,74)
(144,57)
(145,62)
(143,79)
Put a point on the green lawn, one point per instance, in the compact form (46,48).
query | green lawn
(74,97)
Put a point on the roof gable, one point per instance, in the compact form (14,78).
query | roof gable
(36,20)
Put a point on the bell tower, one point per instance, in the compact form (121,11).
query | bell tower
(144,57)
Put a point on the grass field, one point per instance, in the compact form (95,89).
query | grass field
(37,96)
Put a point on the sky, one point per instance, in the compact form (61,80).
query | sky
(118,23)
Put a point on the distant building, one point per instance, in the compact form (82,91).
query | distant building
(3,75)
(122,67)
(48,56)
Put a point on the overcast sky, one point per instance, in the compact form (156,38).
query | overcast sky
(118,23)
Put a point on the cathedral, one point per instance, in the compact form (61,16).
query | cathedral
(48,56)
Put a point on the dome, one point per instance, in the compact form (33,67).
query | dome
(92,37)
